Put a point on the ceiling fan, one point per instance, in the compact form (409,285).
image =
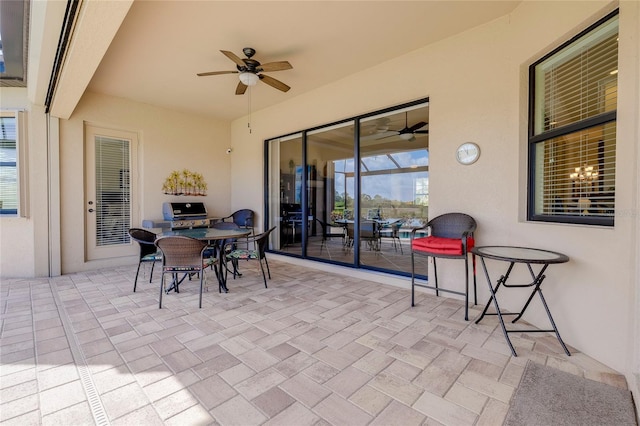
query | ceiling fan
(250,70)
(407,133)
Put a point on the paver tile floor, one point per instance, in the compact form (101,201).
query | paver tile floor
(314,348)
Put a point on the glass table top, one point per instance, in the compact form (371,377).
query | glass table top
(207,233)
(520,254)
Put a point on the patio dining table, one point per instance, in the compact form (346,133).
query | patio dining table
(216,238)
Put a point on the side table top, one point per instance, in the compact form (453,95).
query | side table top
(520,254)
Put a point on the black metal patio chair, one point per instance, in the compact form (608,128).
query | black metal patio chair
(328,234)
(149,253)
(260,242)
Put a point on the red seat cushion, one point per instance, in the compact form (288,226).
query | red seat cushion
(439,245)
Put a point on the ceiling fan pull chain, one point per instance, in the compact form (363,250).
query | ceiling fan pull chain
(249,114)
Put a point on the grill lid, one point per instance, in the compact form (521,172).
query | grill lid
(173,211)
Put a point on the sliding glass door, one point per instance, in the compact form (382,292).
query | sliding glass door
(350,192)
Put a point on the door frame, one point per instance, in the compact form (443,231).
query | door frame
(92,251)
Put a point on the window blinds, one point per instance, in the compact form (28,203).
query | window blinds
(8,168)
(113,191)
(576,173)
(580,81)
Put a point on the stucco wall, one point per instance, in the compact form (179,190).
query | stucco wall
(477,86)
(17,242)
(631,31)
(168,141)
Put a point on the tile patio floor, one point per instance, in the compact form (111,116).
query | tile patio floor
(313,348)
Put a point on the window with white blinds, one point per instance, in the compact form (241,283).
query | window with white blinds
(573,101)
(113,191)
(8,165)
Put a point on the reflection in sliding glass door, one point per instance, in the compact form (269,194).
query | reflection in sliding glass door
(285,193)
(339,202)
(330,153)
(394,182)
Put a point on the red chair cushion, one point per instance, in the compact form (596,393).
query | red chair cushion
(438,245)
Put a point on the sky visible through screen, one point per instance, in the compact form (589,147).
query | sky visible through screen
(391,185)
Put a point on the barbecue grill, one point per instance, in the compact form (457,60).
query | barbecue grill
(182,216)
(185,215)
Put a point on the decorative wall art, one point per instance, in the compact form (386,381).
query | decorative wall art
(184,183)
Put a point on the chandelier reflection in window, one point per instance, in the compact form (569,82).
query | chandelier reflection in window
(582,179)
(584,174)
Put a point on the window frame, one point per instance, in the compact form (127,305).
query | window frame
(534,139)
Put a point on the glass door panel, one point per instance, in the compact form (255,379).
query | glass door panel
(394,182)
(286,193)
(330,154)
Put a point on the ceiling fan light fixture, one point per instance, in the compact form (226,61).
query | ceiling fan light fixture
(249,78)
(406,136)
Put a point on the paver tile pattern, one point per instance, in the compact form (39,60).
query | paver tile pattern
(314,348)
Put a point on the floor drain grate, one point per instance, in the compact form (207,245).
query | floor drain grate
(95,403)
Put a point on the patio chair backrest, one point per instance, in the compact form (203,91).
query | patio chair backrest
(181,253)
(452,225)
(262,241)
(146,239)
(243,217)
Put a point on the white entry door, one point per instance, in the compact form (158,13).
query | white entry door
(112,192)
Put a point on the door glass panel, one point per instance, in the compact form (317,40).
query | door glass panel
(286,190)
(331,194)
(394,195)
(113,191)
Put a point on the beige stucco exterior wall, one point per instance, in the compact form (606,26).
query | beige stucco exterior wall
(477,85)
(631,20)
(15,229)
(168,140)
(24,241)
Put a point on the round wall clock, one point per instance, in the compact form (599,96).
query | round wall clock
(468,153)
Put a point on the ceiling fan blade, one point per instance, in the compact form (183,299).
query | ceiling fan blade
(421,131)
(274,83)
(389,134)
(202,74)
(275,66)
(241,88)
(416,126)
(234,58)
(381,135)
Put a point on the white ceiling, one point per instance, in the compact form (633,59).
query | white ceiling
(161,45)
